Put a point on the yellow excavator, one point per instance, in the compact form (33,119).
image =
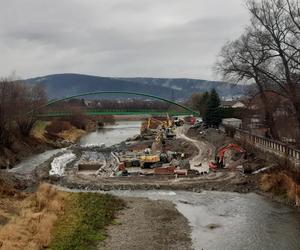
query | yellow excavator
(168,123)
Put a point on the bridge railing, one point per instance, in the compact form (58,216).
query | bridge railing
(95,112)
(277,148)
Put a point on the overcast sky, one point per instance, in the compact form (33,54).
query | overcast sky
(155,38)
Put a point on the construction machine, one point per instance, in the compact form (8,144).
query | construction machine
(178,122)
(219,159)
(149,160)
(165,123)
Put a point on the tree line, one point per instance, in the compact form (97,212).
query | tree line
(74,105)
(268,54)
(17,99)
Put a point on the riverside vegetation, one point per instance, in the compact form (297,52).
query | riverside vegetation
(54,219)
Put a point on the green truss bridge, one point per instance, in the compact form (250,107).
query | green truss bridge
(95,112)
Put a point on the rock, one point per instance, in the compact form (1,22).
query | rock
(136,138)
(213,226)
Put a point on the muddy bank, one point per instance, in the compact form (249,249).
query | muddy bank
(39,141)
(221,181)
(148,224)
(20,149)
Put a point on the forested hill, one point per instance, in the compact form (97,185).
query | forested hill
(60,85)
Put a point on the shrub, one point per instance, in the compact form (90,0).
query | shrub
(78,121)
(58,126)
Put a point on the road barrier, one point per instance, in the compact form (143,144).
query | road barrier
(276,148)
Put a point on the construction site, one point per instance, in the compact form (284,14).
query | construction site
(165,174)
(169,153)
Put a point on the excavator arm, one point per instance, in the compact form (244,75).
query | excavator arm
(222,151)
(220,156)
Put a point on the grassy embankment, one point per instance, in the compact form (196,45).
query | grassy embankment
(84,226)
(53,219)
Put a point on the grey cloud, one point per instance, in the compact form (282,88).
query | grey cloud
(159,38)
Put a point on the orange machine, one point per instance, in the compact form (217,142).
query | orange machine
(219,160)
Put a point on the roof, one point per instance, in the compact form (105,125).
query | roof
(232,120)
(232,103)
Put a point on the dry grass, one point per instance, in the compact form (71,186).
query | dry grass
(58,128)
(31,228)
(281,184)
(40,220)
(39,129)
(72,134)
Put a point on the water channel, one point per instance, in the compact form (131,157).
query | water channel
(240,221)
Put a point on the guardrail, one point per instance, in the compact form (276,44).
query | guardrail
(277,148)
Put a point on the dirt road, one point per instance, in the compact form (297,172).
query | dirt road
(148,224)
(206,150)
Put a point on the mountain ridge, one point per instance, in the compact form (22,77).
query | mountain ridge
(66,84)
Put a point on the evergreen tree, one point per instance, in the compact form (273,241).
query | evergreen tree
(213,114)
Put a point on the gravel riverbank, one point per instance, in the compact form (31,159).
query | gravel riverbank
(148,224)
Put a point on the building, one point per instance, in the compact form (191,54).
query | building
(232,122)
(233,104)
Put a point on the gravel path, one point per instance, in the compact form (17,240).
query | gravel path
(149,225)
(205,151)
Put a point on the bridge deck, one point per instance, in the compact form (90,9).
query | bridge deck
(118,112)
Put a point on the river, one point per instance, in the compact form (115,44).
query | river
(219,220)
(109,135)
(113,134)
(239,221)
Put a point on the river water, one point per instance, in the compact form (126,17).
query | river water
(240,221)
(110,135)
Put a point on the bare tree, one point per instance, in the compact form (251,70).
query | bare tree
(7,93)
(241,60)
(279,20)
(199,101)
(17,99)
(268,53)
(28,98)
